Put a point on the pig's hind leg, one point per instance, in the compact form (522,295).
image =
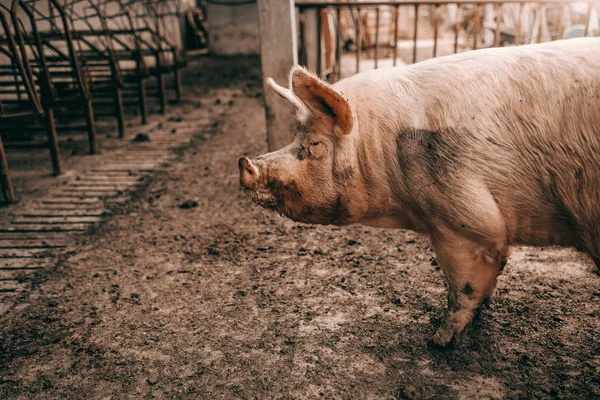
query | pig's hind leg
(471,270)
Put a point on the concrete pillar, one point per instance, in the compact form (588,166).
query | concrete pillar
(278,53)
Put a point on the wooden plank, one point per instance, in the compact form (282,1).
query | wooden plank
(31,244)
(108,181)
(117,200)
(150,146)
(107,175)
(12,287)
(15,274)
(57,193)
(44,212)
(134,159)
(25,263)
(48,237)
(132,168)
(168,138)
(180,134)
(44,228)
(202,124)
(25,253)
(97,207)
(56,220)
(92,188)
(72,200)
(137,152)
(44,236)
(99,186)
(81,194)
(118,167)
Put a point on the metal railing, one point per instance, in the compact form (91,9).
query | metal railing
(66,63)
(330,32)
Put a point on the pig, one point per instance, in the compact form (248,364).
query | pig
(480,151)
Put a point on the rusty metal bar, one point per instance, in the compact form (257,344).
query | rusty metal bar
(561,23)
(395,49)
(301,44)
(312,4)
(377,16)
(436,25)
(498,25)
(50,125)
(42,60)
(542,11)
(5,182)
(20,65)
(588,16)
(415,33)
(477,27)
(338,38)
(457,27)
(358,40)
(71,48)
(519,24)
(319,44)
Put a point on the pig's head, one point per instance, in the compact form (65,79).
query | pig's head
(310,179)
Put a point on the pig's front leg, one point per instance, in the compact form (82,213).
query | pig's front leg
(471,270)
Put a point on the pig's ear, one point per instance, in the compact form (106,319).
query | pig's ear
(287,94)
(322,100)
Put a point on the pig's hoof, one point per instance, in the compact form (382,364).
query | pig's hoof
(439,342)
(447,339)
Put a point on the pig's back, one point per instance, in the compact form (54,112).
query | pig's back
(525,120)
(531,130)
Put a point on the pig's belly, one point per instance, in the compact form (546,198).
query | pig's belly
(403,221)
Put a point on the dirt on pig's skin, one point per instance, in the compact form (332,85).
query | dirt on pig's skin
(226,300)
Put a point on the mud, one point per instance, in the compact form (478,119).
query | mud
(226,300)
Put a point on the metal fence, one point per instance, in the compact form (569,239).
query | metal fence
(376,33)
(66,63)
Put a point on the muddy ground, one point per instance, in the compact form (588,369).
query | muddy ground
(227,300)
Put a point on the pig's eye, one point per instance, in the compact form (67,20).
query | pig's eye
(315,144)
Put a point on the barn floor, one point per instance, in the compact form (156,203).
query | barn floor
(226,300)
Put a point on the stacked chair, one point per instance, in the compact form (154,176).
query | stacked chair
(158,24)
(45,34)
(66,63)
(25,92)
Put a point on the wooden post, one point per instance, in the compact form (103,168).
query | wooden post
(436,25)
(377,17)
(120,111)
(457,26)
(518,28)
(588,16)
(278,54)
(53,140)
(498,25)
(310,38)
(6,187)
(415,33)
(395,49)
(477,27)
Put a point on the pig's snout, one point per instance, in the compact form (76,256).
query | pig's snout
(249,173)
